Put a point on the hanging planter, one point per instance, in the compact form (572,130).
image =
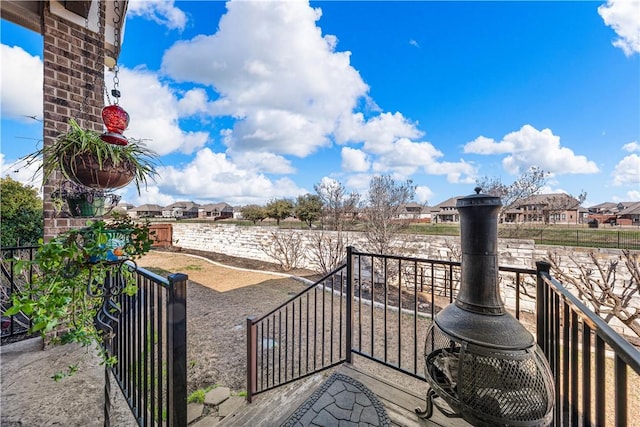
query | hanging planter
(84,158)
(81,201)
(86,169)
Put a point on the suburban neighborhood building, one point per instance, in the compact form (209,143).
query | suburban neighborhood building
(415,212)
(182,210)
(446,211)
(216,211)
(146,211)
(620,213)
(554,208)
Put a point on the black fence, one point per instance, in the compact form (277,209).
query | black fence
(150,342)
(581,237)
(375,306)
(591,363)
(151,348)
(14,327)
(380,307)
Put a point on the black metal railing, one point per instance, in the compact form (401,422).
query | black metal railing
(150,343)
(17,325)
(385,305)
(305,335)
(591,363)
(375,306)
(582,237)
(151,349)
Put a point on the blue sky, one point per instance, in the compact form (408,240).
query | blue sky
(247,101)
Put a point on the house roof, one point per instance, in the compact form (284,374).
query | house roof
(559,200)
(183,205)
(604,206)
(449,203)
(631,209)
(147,208)
(414,207)
(216,206)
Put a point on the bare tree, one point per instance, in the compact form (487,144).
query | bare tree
(338,206)
(607,287)
(285,247)
(385,200)
(328,250)
(527,184)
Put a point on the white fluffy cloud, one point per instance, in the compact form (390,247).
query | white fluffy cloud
(262,162)
(633,195)
(212,176)
(354,160)
(378,133)
(21,83)
(155,110)
(164,12)
(423,194)
(624,17)
(627,171)
(388,142)
(530,147)
(282,80)
(631,147)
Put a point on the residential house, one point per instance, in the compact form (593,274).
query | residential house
(216,211)
(146,211)
(604,208)
(622,213)
(630,215)
(554,208)
(122,208)
(181,210)
(415,212)
(446,211)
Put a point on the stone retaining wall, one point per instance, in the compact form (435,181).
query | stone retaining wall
(248,242)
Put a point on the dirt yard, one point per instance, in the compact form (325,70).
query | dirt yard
(219,300)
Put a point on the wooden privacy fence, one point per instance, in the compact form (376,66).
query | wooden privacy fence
(162,235)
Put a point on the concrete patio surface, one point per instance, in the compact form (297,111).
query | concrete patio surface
(29,397)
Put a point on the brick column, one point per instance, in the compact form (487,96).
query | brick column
(73,88)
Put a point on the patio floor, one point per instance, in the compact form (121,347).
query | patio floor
(30,397)
(278,406)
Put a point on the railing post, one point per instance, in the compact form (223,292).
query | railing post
(349,319)
(177,350)
(252,358)
(542,267)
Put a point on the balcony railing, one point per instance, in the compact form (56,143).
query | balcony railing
(151,348)
(582,349)
(150,343)
(380,307)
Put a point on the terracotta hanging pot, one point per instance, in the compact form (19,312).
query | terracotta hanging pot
(86,170)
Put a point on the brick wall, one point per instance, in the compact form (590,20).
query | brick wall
(73,88)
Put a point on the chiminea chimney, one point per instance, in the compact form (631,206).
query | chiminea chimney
(479,358)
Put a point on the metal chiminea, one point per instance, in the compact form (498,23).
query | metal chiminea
(479,359)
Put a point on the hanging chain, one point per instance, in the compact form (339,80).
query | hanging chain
(117,16)
(89,85)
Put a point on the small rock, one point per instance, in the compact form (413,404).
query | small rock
(230,405)
(208,422)
(217,395)
(194,411)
